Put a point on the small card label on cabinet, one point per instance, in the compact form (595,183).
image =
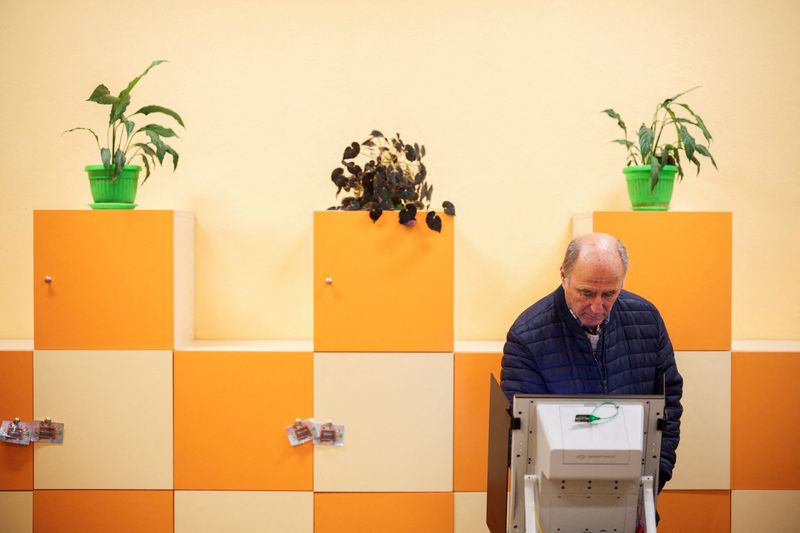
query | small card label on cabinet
(15,432)
(300,432)
(329,434)
(47,431)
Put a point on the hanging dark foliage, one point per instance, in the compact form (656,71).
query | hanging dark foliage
(391,179)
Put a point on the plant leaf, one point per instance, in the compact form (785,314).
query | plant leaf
(669,101)
(146,167)
(677,154)
(704,151)
(118,108)
(646,137)
(434,221)
(129,125)
(159,144)
(124,96)
(700,124)
(146,110)
(398,143)
(624,142)
(171,151)
(375,213)
(119,162)
(160,130)
(408,215)
(613,114)
(351,151)
(664,159)
(102,95)
(376,133)
(96,138)
(655,170)
(105,157)
(689,146)
(449,208)
(146,149)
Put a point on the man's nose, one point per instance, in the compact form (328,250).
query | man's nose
(597,306)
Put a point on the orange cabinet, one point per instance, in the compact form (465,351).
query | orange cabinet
(420,512)
(100,511)
(16,510)
(116,407)
(231,411)
(682,263)
(257,511)
(16,400)
(764,435)
(112,279)
(694,511)
(398,413)
(382,287)
(471,418)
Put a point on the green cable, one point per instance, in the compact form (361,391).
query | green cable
(591,418)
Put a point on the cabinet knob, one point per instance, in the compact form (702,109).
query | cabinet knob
(48,279)
(329,281)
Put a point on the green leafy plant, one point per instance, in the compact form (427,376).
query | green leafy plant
(124,142)
(652,150)
(392,178)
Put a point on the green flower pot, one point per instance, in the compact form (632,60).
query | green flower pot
(642,197)
(113,193)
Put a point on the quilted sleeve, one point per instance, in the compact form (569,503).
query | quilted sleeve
(673,392)
(519,373)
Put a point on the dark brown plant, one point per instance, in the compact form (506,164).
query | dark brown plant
(392,178)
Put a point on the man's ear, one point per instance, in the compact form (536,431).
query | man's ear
(563,277)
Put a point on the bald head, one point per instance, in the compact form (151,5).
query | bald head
(592,276)
(597,251)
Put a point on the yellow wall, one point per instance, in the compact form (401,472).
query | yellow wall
(506,98)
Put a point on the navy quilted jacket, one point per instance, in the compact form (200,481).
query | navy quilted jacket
(547,352)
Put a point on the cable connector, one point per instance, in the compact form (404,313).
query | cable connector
(591,418)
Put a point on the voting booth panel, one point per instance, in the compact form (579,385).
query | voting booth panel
(577,463)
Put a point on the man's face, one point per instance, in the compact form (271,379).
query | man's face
(592,288)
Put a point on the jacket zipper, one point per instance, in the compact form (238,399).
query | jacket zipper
(601,367)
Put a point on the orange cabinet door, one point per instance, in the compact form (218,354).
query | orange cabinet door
(471,418)
(231,411)
(100,511)
(104,280)
(694,511)
(16,401)
(382,287)
(682,263)
(763,445)
(409,512)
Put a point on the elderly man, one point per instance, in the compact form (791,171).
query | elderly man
(590,336)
